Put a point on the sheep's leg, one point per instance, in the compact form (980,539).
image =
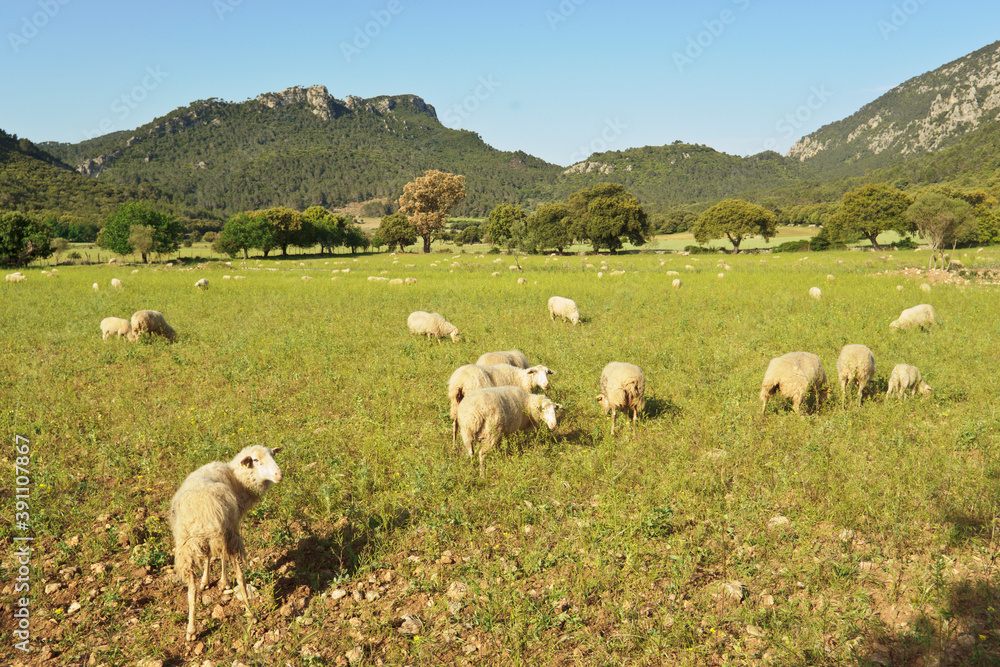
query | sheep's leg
(454,432)
(843,393)
(613,421)
(241,584)
(204,573)
(861,390)
(223,580)
(190,635)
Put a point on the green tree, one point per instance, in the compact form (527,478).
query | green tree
(167,231)
(548,228)
(941,220)
(23,239)
(396,230)
(244,232)
(327,228)
(875,208)
(140,238)
(59,246)
(736,220)
(427,200)
(286,227)
(354,238)
(502,222)
(606,215)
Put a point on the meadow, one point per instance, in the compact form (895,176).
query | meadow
(708,534)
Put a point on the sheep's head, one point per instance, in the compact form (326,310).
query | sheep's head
(454,336)
(548,412)
(540,376)
(605,404)
(925,389)
(259,461)
(894,324)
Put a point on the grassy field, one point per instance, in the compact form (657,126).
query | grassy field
(706,535)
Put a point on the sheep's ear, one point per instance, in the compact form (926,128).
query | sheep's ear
(549,371)
(558,406)
(247,462)
(599,397)
(276,450)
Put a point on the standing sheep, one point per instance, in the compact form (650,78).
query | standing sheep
(856,363)
(431,324)
(565,308)
(514,358)
(115,326)
(490,413)
(117,284)
(921,316)
(623,387)
(906,379)
(796,375)
(205,516)
(202,283)
(473,376)
(816,293)
(151,322)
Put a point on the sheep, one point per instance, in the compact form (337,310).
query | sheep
(396,281)
(522,281)
(117,284)
(202,284)
(410,281)
(816,293)
(307,277)
(796,375)
(431,324)
(565,308)
(623,387)
(676,283)
(15,277)
(514,358)
(906,379)
(924,287)
(205,516)
(475,376)
(151,322)
(921,316)
(488,414)
(856,363)
(115,326)
(96,287)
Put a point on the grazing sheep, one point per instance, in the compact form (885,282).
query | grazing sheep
(856,363)
(431,324)
(97,288)
(522,281)
(117,284)
(677,283)
(410,281)
(924,287)
(921,316)
(151,322)
(488,414)
(906,379)
(830,276)
(514,358)
(396,281)
(115,326)
(474,376)
(816,293)
(307,277)
(16,277)
(205,516)
(565,308)
(623,387)
(202,284)
(796,375)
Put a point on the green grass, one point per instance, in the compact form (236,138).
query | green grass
(577,547)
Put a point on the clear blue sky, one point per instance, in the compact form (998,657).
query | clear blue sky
(557,79)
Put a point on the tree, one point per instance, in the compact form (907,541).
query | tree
(243,232)
(502,222)
(286,226)
(140,237)
(606,215)
(736,220)
(327,228)
(396,230)
(875,208)
(59,246)
(167,231)
(941,220)
(427,200)
(354,238)
(547,227)
(23,239)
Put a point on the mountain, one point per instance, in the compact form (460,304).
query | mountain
(920,117)
(302,147)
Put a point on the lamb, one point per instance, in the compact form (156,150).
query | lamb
(474,376)
(205,517)
(796,375)
(115,326)
(816,293)
(488,414)
(514,358)
(151,322)
(565,308)
(117,284)
(431,324)
(856,363)
(921,316)
(906,379)
(202,284)
(623,387)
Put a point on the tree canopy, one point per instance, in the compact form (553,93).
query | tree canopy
(117,230)
(427,200)
(941,220)
(23,239)
(606,215)
(736,220)
(502,222)
(875,208)
(396,230)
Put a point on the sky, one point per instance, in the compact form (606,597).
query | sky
(558,79)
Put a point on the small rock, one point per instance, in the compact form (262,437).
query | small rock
(52,588)
(754,631)
(735,590)
(219,612)
(356,654)
(411,625)
(74,607)
(338,594)
(457,590)
(778,522)
(199,648)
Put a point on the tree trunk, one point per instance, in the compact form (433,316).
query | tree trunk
(246,255)
(427,243)
(874,239)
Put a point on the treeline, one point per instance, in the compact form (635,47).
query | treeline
(281,227)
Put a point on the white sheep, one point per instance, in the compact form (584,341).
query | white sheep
(202,283)
(522,281)
(565,308)
(15,277)
(623,387)
(205,517)
(111,326)
(676,283)
(410,281)
(396,281)
(796,375)
(473,376)
(117,284)
(151,322)
(816,293)
(906,379)
(490,413)
(96,287)
(856,363)
(921,316)
(431,324)
(514,358)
